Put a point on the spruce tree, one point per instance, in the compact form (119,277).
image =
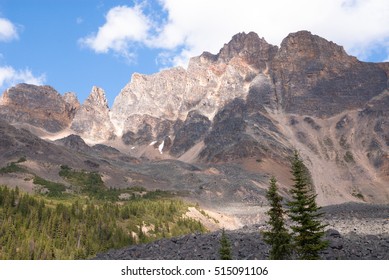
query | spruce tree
(307,229)
(225,247)
(278,236)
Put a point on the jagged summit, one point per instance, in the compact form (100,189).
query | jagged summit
(92,120)
(251,48)
(317,77)
(97,98)
(304,42)
(71,98)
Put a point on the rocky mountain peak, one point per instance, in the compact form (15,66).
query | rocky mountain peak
(71,99)
(92,119)
(97,98)
(72,103)
(39,106)
(305,44)
(250,47)
(315,76)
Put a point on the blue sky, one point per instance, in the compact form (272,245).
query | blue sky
(75,44)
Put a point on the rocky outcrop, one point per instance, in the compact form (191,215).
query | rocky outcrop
(71,99)
(39,106)
(192,131)
(250,48)
(156,96)
(374,139)
(316,77)
(385,67)
(92,119)
(74,142)
(16,143)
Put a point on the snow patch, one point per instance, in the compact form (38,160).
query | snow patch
(152,143)
(160,147)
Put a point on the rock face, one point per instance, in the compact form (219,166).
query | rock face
(148,100)
(209,83)
(193,130)
(39,106)
(317,77)
(218,100)
(71,99)
(92,119)
(250,48)
(17,143)
(74,142)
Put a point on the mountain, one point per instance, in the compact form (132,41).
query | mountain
(92,118)
(38,106)
(220,128)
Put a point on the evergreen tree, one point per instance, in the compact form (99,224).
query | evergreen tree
(225,247)
(278,236)
(308,231)
(38,228)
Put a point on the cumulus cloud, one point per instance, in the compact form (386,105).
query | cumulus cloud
(8,30)
(193,26)
(358,25)
(10,77)
(124,26)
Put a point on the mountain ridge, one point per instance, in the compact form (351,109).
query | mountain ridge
(250,105)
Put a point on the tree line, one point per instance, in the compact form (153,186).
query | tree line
(35,227)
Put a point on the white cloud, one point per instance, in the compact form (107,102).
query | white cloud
(358,25)
(124,26)
(8,30)
(10,77)
(194,26)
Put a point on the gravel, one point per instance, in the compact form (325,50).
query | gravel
(354,231)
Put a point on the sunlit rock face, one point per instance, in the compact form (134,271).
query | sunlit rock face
(156,106)
(92,119)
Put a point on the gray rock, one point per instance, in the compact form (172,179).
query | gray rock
(92,119)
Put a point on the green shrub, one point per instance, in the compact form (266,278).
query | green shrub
(11,168)
(22,159)
(348,157)
(55,189)
(225,247)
